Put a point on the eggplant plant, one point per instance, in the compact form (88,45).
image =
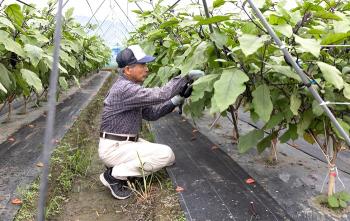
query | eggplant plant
(245,69)
(26,46)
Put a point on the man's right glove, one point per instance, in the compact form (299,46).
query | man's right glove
(195,74)
(177,100)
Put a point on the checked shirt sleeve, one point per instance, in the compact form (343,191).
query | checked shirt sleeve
(155,112)
(137,96)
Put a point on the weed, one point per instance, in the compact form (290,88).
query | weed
(181,217)
(337,201)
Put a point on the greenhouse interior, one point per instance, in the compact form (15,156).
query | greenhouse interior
(175,110)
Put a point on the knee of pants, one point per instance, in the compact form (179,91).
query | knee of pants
(169,155)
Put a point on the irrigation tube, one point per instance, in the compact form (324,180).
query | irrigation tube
(48,142)
(299,71)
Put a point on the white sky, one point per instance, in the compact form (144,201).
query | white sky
(112,31)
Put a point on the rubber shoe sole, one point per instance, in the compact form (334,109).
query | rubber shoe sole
(105,183)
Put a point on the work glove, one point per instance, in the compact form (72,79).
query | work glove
(186,90)
(195,74)
(177,100)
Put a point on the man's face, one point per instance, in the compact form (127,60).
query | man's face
(137,72)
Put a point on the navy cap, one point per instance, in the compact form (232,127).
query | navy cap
(133,55)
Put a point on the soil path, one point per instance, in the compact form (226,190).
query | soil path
(91,201)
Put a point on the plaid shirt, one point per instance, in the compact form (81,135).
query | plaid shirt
(128,102)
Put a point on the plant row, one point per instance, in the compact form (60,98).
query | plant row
(26,49)
(246,69)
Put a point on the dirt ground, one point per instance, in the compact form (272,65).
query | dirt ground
(90,201)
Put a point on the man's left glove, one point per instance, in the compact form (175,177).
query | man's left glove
(186,90)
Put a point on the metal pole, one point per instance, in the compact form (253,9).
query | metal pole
(207,14)
(93,15)
(124,13)
(172,6)
(299,71)
(48,142)
(138,6)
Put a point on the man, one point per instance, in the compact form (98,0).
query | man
(126,104)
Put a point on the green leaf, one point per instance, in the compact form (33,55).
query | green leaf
(347,91)
(284,29)
(249,28)
(7,23)
(291,133)
(345,70)
(285,70)
(342,204)
(70,60)
(10,44)
(275,120)
(344,125)
(137,11)
(249,140)
(295,103)
(333,202)
(211,20)
(69,13)
(218,3)
(14,12)
(165,73)
(305,122)
(309,45)
(171,22)
(326,15)
(308,138)
(229,87)
(4,77)
(332,38)
(262,102)
(316,108)
(345,196)
(276,20)
(201,85)
(331,75)
(196,59)
(63,83)
(219,38)
(341,26)
(264,143)
(156,34)
(32,79)
(34,53)
(249,44)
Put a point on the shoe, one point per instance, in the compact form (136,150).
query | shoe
(118,187)
(135,180)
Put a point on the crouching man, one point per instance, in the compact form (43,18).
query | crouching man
(127,103)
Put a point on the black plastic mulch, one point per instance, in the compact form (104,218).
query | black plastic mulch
(214,186)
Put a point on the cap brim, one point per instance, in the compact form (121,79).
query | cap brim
(146,59)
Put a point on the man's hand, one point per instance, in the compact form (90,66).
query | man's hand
(186,90)
(195,74)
